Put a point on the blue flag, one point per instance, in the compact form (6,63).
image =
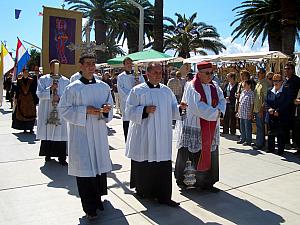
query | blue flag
(17,13)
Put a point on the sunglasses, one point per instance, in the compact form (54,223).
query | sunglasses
(277,81)
(269,78)
(287,68)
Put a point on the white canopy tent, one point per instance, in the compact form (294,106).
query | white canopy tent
(238,57)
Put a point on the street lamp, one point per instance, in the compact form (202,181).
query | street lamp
(141,26)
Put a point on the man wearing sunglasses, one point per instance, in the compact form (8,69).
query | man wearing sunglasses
(293,85)
(199,135)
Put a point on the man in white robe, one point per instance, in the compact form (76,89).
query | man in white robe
(199,131)
(53,137)
(86,106)
(151,107)
(126,81)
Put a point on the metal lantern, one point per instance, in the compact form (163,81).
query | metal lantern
(189,175)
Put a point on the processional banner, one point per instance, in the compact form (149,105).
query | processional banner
(60,29)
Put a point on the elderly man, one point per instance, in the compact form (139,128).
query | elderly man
(260,93)
(293,85)
(151,107)
(175,84)
(199,132)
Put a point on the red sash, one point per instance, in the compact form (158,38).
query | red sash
(208,128)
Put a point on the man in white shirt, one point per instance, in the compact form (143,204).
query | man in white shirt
(199,132)
(86,106)
(53,137)
(151,107)
(126,81)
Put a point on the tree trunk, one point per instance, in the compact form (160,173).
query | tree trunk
(288,22)
(158,25)
(132,41)
(275,41)
(100,37)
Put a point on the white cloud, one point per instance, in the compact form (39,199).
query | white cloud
(236,47)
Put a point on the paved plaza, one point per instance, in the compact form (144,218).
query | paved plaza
(256,188)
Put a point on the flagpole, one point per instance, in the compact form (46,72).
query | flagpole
(37,48)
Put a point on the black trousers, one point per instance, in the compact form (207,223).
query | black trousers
(90,191)
(229,120)
(54,149)
(278,131)
(297,131)
(152,179)
(125,129)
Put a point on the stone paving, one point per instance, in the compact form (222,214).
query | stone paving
(256,187)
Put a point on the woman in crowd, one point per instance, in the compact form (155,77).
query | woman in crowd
(24,114)
(277,104)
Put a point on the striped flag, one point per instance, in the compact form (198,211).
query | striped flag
(22,57)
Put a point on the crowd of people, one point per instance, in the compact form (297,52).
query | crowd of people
(72,115)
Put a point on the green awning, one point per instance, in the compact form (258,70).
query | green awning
(147,54)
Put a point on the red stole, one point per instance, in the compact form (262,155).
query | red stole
(208,128)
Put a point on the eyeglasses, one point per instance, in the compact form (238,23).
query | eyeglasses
(277,81)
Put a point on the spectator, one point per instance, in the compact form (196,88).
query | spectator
(270,79)
(277,104)
(229,94)
(175,85)
(245,112)
(260,93)
(292,84)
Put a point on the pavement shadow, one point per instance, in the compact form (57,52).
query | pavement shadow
(119,184)
(109,216)
(249,151)
(59,177)
(3,111)
(161,214)
(290,157)
(229,207)
(26,137)
(230,137)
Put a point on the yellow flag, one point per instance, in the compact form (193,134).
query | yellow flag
(7,62)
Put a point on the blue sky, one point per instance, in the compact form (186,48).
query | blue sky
(29,26)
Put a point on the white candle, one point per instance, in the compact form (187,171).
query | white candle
(56,68)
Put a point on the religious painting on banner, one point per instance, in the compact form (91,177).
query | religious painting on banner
(61,34)
(61,28)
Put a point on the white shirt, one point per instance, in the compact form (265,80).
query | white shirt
(189,130)
(150,139)
(125,83)
(50,131)
(87,135)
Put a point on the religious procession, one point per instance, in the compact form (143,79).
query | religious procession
(95,136)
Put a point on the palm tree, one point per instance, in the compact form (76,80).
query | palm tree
(128,29)
(289,15)
(264,18)
(186,35)
(158,25)
(102,13)
(112,48)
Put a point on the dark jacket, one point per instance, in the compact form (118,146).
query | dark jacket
(232,94)
(279,102)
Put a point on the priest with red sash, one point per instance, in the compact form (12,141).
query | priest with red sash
(199,131)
